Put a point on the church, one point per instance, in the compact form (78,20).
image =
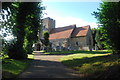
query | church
(68,37)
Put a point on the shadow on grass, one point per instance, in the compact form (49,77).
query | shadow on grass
(112,72)
(99,70)
(85,60)
(12,68)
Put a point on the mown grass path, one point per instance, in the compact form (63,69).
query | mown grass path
(48,66)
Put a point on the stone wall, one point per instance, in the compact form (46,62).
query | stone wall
(59,44)
(82,43)
(78,43)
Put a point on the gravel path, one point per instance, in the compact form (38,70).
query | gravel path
(48,66)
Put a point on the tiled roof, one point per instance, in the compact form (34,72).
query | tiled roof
(80,31)
(68,31)
(62,32)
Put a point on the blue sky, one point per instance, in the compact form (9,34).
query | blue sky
(68,13)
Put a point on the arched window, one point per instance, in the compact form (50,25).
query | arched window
(76,43)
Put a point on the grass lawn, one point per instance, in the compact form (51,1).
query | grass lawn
(12,68)
(80,51)
(94,64)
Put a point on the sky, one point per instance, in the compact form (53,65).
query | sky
(68,13)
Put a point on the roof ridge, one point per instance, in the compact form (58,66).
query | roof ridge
(80,31)
(68,32)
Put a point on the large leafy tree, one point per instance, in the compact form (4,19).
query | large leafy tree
(8,23)
(26,19)
(101,38)
(109,16)
(32,26)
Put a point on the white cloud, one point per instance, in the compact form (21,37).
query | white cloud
(65,21)
(62,21)
(93,24)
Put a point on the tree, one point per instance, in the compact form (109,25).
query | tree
(100,38)
(9,24)
(109,16)
(46,39)
(26,16)
(93,35)
(32,26)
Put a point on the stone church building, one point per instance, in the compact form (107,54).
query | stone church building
(68,37)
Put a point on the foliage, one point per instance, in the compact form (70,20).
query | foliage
(108,15)
(8,24)
(32,27)
(25,23)
(46,40)
(100,38)
(12,68)
(94,30)
(98,66)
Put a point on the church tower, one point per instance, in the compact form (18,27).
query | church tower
(48,24)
